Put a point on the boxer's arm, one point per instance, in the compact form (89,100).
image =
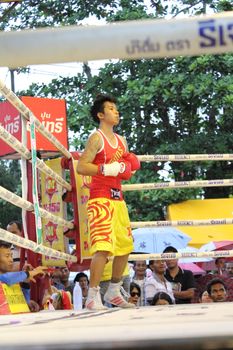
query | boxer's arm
(85,165)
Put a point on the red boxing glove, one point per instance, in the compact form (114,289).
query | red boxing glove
(133,160)
(125,170)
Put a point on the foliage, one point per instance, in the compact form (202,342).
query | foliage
(10,178)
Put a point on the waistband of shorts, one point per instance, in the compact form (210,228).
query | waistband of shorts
(104,193)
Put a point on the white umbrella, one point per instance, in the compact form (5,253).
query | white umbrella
(156,239)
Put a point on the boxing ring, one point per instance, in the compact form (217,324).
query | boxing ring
(197,326)
(174,327)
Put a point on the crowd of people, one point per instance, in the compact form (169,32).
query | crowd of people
(158,282)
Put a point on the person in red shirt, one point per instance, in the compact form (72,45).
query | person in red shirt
(107,160)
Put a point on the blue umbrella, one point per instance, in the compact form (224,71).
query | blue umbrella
(156,239)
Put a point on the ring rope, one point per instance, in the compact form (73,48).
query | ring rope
(38,220)
(25,153)
(184,157)
(25,111)
(152,38)
(24,204)
(37,248)
(209,222)
(177,184)
(14,143)
(168,256)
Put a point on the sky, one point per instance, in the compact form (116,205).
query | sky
(45,73)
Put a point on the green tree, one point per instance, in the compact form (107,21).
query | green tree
(10,178)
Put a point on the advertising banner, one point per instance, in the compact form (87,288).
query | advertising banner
(82,188)
(12,300)
(11,121)
(50,112)
(51,200)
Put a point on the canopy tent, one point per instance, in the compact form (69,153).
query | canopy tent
(200,210)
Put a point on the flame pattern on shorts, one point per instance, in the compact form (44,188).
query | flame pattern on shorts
(100,220)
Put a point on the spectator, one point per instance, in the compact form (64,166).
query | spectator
(135,293)
(83,281)
(16,228)
(220,266)
(229,269)
(64,279)
(161,298)
(56,279)
(9,277)
(140,278)
(217,290)
(205,298)
(157,282)
(182,281)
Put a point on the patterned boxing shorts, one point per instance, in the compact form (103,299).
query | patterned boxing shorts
(109,227)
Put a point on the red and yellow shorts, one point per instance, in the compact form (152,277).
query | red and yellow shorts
(109,227)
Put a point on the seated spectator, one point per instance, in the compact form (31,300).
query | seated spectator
(217,290)
(220,266)
(205,298)
(183,283)
(56,279)
(9,277)
(16,228)
(157,282)
(64,279)
(229,269)
(140,278)
(161,298)
(83,281)
(135,293)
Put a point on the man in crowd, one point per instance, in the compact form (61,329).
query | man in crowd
(157,282)
(217,290)
(16,228)
(182,281)
(220,266)
(64,279)
(229,269)
(9,277)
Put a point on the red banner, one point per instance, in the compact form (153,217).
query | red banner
(50,112)
(11,121)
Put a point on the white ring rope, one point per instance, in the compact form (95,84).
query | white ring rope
(177,184)
(14,143)
(24,204)
(37,248)
(163,223)
(184,157)
(48,171)
(169,256)
(152,38)
(25,153)
(25,111)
